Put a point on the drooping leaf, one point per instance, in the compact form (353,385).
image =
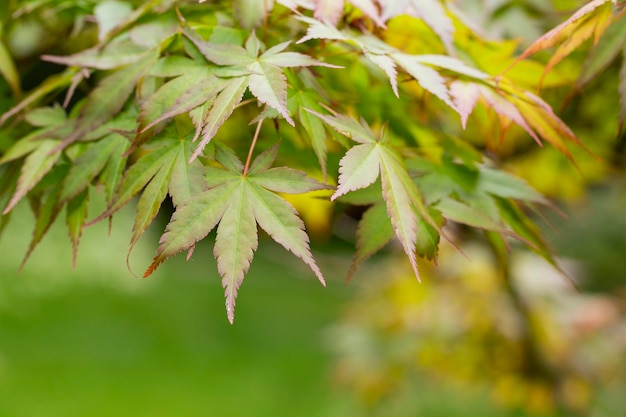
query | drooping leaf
(75,220)
(468,214)
(88,165)
(280,220)
(374,232)
(191,223)
(46,212)
(36,165)
(151,199)
(504,185)
(506,108)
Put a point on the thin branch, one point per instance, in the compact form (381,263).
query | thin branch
(252,145)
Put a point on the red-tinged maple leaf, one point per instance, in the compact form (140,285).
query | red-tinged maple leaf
(236,203)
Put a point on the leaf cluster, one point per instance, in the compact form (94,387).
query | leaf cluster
(158,105)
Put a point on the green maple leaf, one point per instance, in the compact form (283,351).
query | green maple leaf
(260,70)
(362,165)
(239,202)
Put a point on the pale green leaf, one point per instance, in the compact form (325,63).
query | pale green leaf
(264,161)
(388,66)
(269,85)
(358,168)
(398,197)
(236,241)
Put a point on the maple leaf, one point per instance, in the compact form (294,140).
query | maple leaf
(238,203)
(261,72)
(363,164)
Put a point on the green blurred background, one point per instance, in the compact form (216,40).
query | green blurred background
(96,341)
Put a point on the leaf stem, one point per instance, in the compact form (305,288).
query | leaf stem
(252,145)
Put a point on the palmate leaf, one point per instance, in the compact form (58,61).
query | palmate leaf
(238,203)
(262,73)
(362,165)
